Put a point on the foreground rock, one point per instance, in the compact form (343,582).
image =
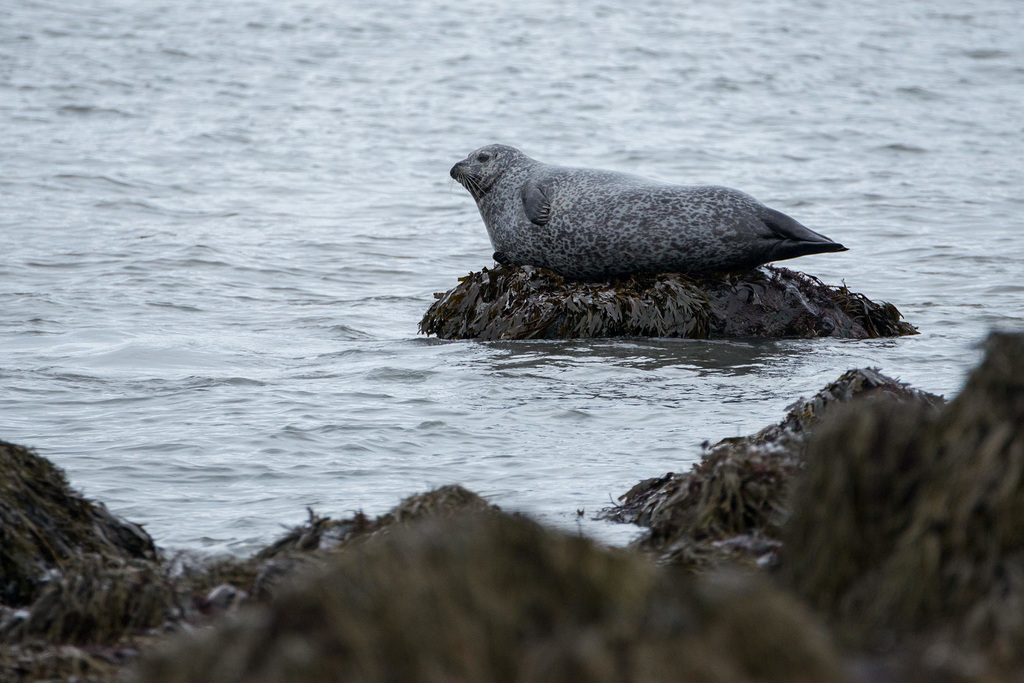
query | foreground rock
(85,591)
(512,302)
(45,526)
(500,598)
(735,501)
(896,517)
(909,526)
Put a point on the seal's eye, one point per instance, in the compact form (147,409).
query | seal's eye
(483,156)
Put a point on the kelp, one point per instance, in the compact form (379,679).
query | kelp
(499,598)
(909,526)
(513,302)
(71,573)
(733,503)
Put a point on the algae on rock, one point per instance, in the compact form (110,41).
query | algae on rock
(79,575)
(513,302)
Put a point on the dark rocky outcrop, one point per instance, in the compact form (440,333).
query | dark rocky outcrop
(72,574)
(513,302)
(893,515)
(500,598)
(896,516)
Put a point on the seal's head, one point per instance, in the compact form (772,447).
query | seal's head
(481,170)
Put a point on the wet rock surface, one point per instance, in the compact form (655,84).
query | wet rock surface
(76,580)
(896,516)
(513,302)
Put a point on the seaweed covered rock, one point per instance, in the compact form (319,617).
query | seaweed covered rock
(44,525)
(499,598)
(523,302)
(734,502)
(909,526)
(304,546)
(71,574)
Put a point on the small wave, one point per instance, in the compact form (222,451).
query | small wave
(90,110)
(919,92)
(986,54)
(90,178)
(902,147)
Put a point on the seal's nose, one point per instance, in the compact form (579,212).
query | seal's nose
(456,169)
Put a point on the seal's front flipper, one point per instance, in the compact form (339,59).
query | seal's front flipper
(502,258)
(536,204)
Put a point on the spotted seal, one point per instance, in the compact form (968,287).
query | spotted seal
(593,224)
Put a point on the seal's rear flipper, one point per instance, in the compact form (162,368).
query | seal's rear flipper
(791,249)
(795,238)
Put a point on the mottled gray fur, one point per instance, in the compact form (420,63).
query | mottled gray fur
(591,224)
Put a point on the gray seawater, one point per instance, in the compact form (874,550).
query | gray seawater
(221,222)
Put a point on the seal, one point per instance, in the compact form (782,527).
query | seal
(591,224)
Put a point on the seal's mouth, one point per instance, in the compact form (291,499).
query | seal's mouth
(471,181)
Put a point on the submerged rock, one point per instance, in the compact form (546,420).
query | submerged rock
(734,502)
(908,527)
(500,598)
(513,302)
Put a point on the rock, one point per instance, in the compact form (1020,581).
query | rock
(908,527)
(740,487)
(499,598)
(512,302)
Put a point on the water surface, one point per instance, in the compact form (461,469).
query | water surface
(222,222)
